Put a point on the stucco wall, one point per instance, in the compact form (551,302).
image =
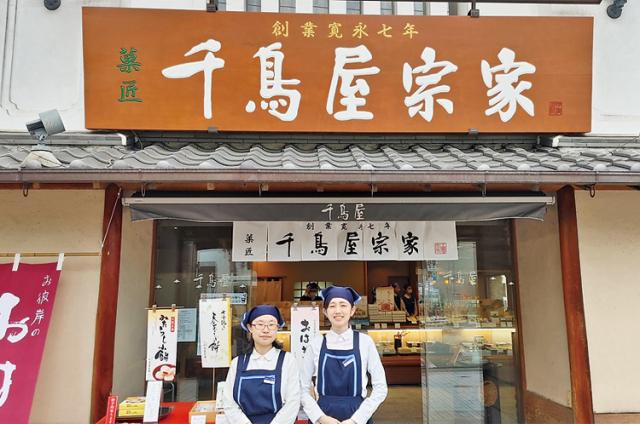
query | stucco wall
(609,233)
(133,297)
(61,221)
(542,307)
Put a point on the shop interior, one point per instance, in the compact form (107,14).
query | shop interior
(452,358)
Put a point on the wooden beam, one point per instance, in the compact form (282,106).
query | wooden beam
(574,307)
(518,352)
(107,302)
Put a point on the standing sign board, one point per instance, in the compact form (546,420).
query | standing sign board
(189,70)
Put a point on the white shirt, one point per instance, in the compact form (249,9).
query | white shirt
(289,388)
(370,364)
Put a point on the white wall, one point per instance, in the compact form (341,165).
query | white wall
(41,57)
(61,221)
(616,58)
(608,232)
(542,308)
(133,298)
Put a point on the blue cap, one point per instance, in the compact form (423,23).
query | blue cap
(347,293)
(258,311)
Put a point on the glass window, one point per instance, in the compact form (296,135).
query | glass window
(288,6)
(467,310)
(194,261)
(386,8)
(222,5)
(456,317)
(253,5)
(354,7)
(419,8)
(320,6)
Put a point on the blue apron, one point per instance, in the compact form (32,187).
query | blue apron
(258,391)
(339,380)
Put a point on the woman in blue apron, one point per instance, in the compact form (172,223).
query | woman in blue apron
(262,384)
(341,361)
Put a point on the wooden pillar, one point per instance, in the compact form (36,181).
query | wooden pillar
(103,350)
(574,307)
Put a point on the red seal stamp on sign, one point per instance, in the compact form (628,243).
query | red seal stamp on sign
(440,248)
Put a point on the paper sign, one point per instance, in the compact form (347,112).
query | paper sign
(305,325)
(441,241)
(350,241)
(198,419)
(152,401)
(319,241)
(285,241)
(215,333)
(249,242)
(187,324)
(410,240)
(112,410)
(162,339)
(384,299)
(380,241)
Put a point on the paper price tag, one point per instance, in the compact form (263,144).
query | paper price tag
(152,401)
(198,419)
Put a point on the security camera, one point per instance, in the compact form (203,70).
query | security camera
(52,4)
(49,124)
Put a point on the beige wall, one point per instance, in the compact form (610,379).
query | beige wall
(133,298)
(609,241)
(61,221)
(542,307)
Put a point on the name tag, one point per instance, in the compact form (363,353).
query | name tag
(269,380)
(348,362)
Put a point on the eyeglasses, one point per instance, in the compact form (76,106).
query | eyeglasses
(272,326)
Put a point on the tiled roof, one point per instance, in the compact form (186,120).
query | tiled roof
(320,157)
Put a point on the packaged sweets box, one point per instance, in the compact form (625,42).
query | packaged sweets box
(206,408)
(131,406)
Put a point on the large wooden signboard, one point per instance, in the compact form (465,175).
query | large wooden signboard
(189,70)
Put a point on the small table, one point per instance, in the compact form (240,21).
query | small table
(180,414)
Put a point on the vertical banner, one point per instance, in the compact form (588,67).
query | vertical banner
(350,241)
(215,332)
(441,242)
(319,241)
(26,303)
(249,242)
(380,241)
(285,241)
(305,324)
(410,240)
(162,344)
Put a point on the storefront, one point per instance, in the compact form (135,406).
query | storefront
(503,188)
(454,357)
(452,332)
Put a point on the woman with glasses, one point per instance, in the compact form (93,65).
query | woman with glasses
(263,384)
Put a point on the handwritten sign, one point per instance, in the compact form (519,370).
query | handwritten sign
(162,343)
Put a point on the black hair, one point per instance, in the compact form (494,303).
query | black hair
(407,285)
(313,286)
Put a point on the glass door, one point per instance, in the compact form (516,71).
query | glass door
(469,373)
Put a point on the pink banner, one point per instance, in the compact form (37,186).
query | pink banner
(26,304)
